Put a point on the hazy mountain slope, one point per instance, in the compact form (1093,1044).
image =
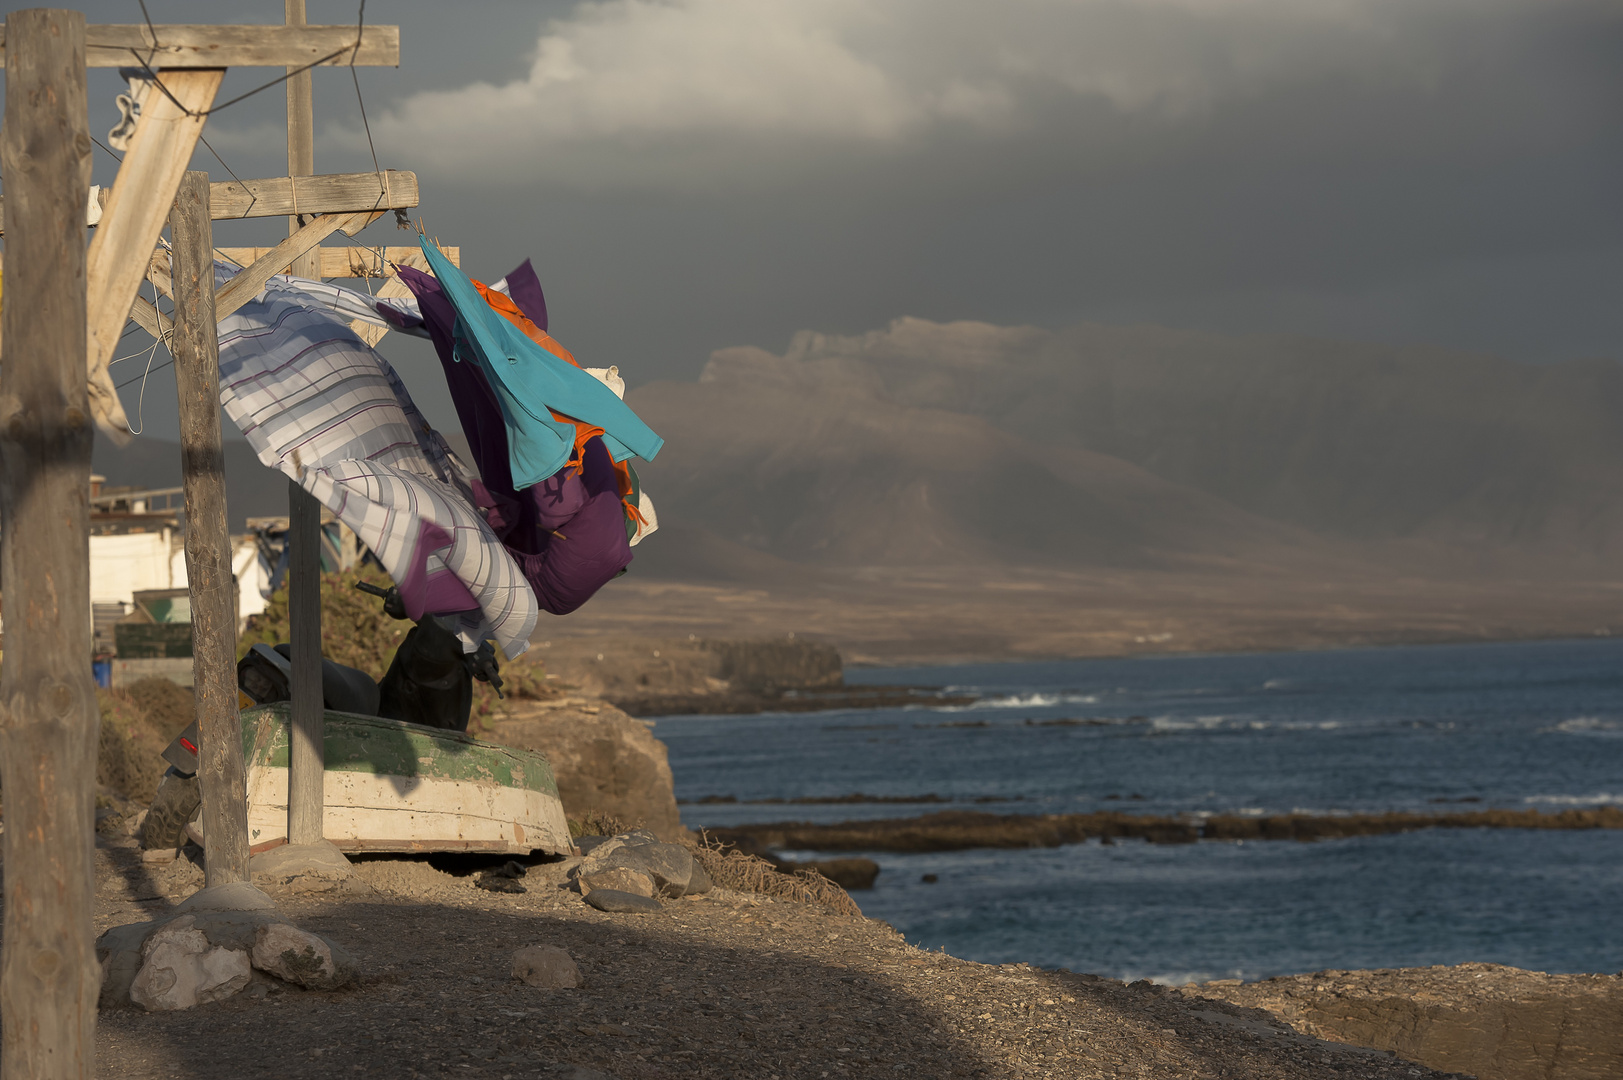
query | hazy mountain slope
(1357,441)
(811,462)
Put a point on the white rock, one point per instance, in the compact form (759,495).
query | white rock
(181,969)
(547,967)
(301,957)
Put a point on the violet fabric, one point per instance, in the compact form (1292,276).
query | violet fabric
(567,533)
(524,289)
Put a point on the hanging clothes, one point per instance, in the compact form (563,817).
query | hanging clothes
(318,404)
(531,382)
(572,531)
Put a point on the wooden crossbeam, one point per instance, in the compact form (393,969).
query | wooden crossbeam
(150,319)
(349,262)
(237,46)
(280,196)
(132,220)
(246,285)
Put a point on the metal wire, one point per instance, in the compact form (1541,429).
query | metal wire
(104,146)
(353,50)
(360,22)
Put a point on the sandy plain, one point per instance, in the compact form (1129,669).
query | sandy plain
(885,616)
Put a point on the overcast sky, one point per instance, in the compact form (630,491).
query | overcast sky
(694,174)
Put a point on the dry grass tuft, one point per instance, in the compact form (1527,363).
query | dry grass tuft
(732,869)
(137,722)
(596,823)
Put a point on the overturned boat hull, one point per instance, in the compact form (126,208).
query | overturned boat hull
(395,786)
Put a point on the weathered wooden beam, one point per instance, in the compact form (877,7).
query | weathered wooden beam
(196,348)
(306,759)
(301,135)
(49,977)
(192,46)
(349,262)
(131,222)
(278,196)
(246,285)
(150,319)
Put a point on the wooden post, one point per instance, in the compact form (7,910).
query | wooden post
(196,347)
(301,139)
(306,761)
(49,978)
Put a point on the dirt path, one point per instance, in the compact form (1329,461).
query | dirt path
(724,985)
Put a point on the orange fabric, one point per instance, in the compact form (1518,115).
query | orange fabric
(504,306)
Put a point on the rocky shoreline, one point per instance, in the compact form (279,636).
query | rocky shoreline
(693,675)
(958,830)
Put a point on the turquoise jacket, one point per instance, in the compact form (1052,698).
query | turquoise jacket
(531,383)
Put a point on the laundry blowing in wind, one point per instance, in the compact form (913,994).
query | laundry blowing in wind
(549,509)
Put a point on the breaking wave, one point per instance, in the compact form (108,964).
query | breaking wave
(1026,701)
(1589,725)
(1599,799)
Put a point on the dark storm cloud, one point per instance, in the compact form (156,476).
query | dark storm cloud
(701,173)
(715,170)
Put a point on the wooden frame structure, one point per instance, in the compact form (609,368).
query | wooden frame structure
(64,309)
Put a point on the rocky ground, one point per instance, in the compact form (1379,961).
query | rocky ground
(727,984)
(1486,1019)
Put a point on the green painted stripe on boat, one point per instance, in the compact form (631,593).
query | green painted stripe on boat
(371,744)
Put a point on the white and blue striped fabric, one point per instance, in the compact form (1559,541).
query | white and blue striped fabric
(318,404)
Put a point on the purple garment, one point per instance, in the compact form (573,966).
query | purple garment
(579,556)
(524,289)
(568,532)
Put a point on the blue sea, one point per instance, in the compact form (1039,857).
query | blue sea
(1535,725)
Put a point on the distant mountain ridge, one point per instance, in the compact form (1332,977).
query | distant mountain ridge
(1131,446)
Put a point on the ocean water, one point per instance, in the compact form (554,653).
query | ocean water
(1441,727)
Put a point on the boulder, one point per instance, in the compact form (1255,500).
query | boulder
(123,950)
(299,956)
(604,761)
(669,865)
(119,953)
(620,878)
(617,902)
(180,969)
(547,967)
(699,883)
(232,896)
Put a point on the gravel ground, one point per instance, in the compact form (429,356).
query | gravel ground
(724,985)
